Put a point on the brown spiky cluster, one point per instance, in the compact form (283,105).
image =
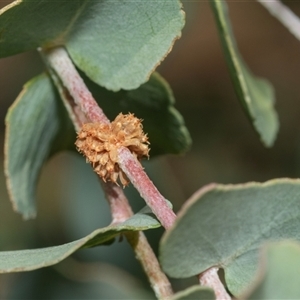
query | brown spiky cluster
(99,143)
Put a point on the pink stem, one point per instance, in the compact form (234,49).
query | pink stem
(144,253)
(121,211)
(210,278)
(136,174)
(119,206)
(63,66)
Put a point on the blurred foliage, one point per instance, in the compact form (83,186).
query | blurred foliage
(278,277)
(225,148)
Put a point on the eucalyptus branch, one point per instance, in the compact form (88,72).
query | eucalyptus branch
(119,206)
(77,117)
(64,69)
(59,61)
(145,255)
(285,15)
(82,108)
(121,211)
(133,169)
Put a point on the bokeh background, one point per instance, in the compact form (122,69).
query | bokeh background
(225,149)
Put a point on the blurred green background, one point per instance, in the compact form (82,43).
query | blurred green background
(225,150)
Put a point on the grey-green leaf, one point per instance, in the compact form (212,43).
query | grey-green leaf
(224,226)
(33,123)
(195,292)
(116,43)
(255,94)
(279,275)
(26,260)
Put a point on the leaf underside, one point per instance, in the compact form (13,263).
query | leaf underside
(27,260)
(224,225)
(33,125)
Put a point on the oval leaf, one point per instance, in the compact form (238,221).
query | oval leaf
(33,123)
(279,275)
(255,94)
(27,260)
(224,226)
(116,43)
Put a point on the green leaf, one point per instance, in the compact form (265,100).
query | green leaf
(116,43)
(195,292)
(26,260)
(279,272)
(154,103)
(33,125)
(255,94)
(224,225)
